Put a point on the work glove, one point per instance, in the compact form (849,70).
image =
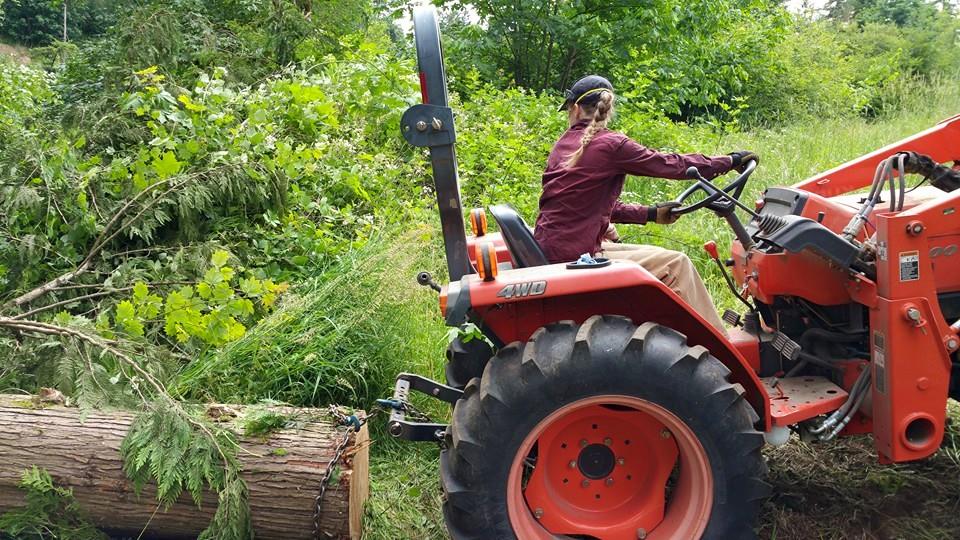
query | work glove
(661,214)
(611,235)
(740,159)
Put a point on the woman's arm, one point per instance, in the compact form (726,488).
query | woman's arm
(636,159)
(629,213)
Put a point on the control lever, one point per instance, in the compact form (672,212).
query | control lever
(711,249)
(425,279)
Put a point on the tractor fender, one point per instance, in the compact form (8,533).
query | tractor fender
(515,303)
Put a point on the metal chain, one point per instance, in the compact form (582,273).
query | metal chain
(353,423)
(416,414)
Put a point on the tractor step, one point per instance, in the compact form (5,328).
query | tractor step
(399,406)
(795,399)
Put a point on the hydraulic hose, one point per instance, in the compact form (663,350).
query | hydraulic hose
(853,410)
(841,413)
(902,167)
(819,334)
(853,228)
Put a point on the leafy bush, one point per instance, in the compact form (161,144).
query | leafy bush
(339,338)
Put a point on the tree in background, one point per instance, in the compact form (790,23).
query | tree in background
(901,13)
(732,60)
(40,22)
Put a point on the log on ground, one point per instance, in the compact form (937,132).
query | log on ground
(282,471)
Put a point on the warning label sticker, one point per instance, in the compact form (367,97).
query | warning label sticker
(879,362)
(909,265)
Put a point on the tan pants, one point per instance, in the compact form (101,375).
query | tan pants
(674,269)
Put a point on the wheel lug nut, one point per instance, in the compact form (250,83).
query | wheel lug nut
(621,461)
(608,482)
(538,513)
(573,464)
(585,483)
(665,434)
(583,443)
(608,441)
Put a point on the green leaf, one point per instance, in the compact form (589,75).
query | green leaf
(219,258)
(126,318)
(203,289)
(140,291)
(167,165)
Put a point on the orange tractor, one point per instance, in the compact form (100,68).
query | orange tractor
(606,408)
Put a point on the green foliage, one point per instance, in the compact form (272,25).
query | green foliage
(711,59)
(40,22)
(261,422)
(165,447)
(26,91)
(339,338)
(50,512)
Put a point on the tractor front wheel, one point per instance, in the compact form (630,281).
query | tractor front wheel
(605,430)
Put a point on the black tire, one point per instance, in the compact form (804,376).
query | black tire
(466,360)
(563,363)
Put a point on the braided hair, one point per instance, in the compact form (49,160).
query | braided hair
(601,112)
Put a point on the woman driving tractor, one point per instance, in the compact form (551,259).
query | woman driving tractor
(582,183)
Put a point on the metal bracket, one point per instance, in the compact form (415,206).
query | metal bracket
(427,125)
(431,388)
(402,428)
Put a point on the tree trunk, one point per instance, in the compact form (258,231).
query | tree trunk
(64,21)
(282,472)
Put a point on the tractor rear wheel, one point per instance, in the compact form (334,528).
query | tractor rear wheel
(604,430)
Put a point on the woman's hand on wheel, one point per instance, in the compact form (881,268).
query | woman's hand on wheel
(661,213)
(740,158)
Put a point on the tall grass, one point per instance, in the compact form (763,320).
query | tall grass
(338,338)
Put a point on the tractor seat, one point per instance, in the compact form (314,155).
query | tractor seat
(523,247)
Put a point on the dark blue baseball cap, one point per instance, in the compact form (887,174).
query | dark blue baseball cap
(586,91)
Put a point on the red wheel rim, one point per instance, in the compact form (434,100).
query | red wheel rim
(601,470)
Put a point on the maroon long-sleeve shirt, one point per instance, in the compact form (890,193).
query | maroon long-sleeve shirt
(579,203)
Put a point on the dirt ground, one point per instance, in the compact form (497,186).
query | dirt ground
(18,54)
(838,490)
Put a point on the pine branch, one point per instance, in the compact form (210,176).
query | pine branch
(109,231)
(70,301)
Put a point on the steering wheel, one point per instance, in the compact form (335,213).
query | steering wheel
(717,199)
